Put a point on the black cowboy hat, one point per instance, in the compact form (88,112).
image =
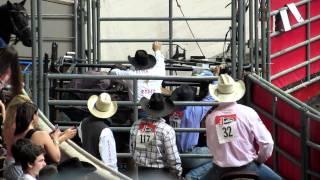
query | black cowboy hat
(142,60)
(157,105)
(183,93)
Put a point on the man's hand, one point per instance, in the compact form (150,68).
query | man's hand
(156,46)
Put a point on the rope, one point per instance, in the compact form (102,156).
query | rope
(179,6)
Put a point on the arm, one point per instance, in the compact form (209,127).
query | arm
(107,148)
(67,134)
(49,143)
(171,151)
(263,139)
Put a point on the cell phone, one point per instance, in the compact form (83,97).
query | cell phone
(56,127)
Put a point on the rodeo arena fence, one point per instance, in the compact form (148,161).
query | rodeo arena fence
(297,143)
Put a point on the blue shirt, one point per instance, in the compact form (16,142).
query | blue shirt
(192,116)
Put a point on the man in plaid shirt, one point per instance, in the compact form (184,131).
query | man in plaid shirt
(153,142)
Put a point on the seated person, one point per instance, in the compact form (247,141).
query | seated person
(94,132)
(153,142)
(30,157)
(232,132)
(187,142)
(26,126)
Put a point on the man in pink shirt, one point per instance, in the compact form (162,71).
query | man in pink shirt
(232,129)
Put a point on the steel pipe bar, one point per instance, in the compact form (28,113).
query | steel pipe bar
(182,155)
(313,145)
(164,40)
(296,46)
(277,91)
(40,56)
(140,77)
(128,103)
(277,121)
(164,18)
(305,84)
(234,38)
(34,52)
(56,16)
(275,76)
(256,36)
(288,156)
(263,38)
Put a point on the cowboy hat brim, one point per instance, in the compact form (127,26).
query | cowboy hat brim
(167,109)
(151,62)
(99,114)
(239,90)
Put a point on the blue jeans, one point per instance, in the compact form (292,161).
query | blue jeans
(199,166)
(263,171)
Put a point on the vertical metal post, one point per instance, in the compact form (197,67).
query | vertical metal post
(94,31)
(274,133)
(75,28)
(135,99)
(98,32)
(304,146)
(34,52)
(308,38)
(251,33)
(170,29)
(82,30)
(233,37)
(40,88)
(46,96)
(268,44)
(256,36)
(241,47)
(89,30)
(263,37)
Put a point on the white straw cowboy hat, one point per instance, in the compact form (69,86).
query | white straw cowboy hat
(157,105)
(101,106)
(227,90)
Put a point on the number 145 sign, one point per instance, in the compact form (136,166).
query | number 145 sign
(226,127)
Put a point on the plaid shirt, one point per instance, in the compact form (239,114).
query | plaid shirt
(161,151)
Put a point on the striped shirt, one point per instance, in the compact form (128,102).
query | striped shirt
(153,144)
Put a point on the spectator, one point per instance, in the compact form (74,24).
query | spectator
(10,70)
(148,65)
(27,121)
(8,129)
(232,130)
(94,131)
(187,142)
(153,142)
(14,171)
(31,158)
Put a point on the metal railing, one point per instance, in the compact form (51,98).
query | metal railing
(307,114)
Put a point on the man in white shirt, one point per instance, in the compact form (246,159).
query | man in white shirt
(94,132)
(148,65)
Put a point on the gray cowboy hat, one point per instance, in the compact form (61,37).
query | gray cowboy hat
(157,105)
(142,60)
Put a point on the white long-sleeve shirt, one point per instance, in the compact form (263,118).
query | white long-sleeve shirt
(145,87)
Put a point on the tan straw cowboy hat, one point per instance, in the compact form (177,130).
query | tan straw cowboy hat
(227,90)
(101,106)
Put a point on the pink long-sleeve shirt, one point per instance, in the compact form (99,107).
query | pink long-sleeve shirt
(231,130)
